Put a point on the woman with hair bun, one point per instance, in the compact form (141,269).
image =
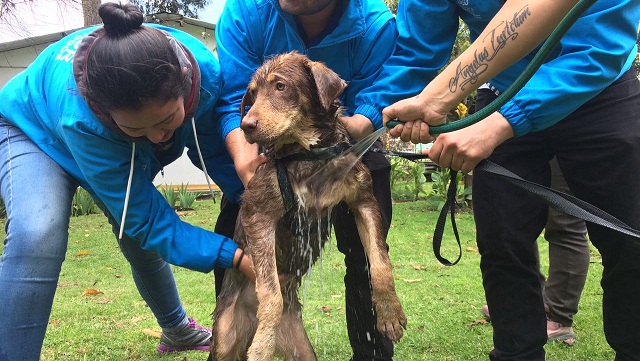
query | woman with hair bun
(106,108)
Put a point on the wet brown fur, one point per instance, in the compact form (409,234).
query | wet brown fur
(294,107)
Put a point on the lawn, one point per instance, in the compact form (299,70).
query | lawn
(98,314)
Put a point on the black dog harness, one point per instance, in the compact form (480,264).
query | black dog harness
(312,154)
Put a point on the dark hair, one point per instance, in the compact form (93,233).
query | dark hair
(130,65)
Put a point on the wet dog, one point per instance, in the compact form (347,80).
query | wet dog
(292,112)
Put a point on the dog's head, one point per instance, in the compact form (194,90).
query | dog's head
(287,99)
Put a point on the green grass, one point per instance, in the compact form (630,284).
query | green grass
(441,303)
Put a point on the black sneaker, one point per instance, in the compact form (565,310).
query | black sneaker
(191,337)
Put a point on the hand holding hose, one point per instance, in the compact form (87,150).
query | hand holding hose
(416,116)
(463,149)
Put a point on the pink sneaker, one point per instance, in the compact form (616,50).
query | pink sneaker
(557,332)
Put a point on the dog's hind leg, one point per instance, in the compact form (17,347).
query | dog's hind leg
(234,320)
(292,341)
(391,320)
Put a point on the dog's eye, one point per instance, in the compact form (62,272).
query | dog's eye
(280,86)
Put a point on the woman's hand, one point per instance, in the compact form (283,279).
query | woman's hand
(246,267)
(243,263)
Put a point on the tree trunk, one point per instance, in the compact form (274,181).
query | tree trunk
(90,12)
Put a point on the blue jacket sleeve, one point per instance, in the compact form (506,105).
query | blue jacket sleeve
(150,220)
(585,66)
(426,34)
(377,44)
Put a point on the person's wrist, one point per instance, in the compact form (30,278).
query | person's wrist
(238,261)
(440,103)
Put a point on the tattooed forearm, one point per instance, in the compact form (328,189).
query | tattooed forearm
(495,41)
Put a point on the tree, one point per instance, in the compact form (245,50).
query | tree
(15,13)
(392,5)
(90,12)
(187,8)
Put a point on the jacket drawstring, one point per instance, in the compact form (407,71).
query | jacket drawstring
(126,197)
(204,168)
(133,152)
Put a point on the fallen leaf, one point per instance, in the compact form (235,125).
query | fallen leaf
(413,280)
(152,333)
(477,322)
(82,253)
(54,321)
(103,301)
(336,296)
(118,275)
(91,292)
(419,268)
(471,249)
(326,308)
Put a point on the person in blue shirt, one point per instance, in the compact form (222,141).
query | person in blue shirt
(353,38)
(105,108)
(581,106)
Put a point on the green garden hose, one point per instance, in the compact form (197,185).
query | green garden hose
(527,73)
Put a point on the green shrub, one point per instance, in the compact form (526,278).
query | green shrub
(82,204)
(408,180)
(169,194)
(3,208)
(438,194)
(186,197)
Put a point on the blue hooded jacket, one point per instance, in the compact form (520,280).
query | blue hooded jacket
(250,31)
(44,102)
(586,62)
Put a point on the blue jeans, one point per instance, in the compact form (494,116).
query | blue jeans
(38,193)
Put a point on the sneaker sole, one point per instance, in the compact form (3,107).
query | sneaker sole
(168,349)
(568,340)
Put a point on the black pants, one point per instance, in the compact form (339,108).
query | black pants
(598,150)
(366,342)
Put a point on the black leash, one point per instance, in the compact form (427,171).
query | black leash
(559,200)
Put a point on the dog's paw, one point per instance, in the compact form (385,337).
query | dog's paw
(391,319)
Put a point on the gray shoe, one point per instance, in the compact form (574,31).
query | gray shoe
(187,337)
(557,332)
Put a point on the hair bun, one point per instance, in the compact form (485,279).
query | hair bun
(119,19)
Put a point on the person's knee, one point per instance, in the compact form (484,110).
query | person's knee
(44,237)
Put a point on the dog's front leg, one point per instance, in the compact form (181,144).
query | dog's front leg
(391,320)
(260,231)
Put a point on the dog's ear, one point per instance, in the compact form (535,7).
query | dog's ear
(247,100)
(328,83)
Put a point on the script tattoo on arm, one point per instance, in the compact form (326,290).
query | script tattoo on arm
(496,40)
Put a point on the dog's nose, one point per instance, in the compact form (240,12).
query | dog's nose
(248,124)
